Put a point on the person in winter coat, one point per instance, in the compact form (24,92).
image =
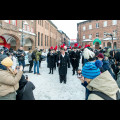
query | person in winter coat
(36,61)
(9,79)
(89,70)
(106,66)
(21,57)
(30,60)
(25,91)
(105,84)
(75,60)
(51,61)
(63,62)
(99,62)
(55,57)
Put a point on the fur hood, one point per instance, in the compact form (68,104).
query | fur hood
(88,54)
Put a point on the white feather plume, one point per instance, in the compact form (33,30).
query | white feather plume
(88,54)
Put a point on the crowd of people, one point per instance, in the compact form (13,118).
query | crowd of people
(100,73)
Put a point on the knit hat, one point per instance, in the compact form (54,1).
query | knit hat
(7,62)
(100,55)
(90,70)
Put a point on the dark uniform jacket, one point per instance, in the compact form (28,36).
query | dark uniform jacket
(75,59)
(64,63)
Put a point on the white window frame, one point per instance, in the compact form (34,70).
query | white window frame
(105,24)
(97,34)
(90,27)
(14,22)
(97,25)
(114,22)
(84,28)
(83,37)
(90,36)
(7,21)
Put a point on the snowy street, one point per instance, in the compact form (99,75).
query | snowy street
(48,86)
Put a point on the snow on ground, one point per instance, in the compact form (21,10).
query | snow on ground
(48,86)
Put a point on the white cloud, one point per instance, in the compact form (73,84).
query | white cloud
(68,26)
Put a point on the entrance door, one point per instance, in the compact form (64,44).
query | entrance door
(97,45)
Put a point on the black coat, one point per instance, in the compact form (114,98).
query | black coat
(51,60)
(19,55)
(25,91)
(64,63)
(75,59)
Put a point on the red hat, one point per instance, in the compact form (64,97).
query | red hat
(51,47)
(70,47)
(87,46)
(79,47)
(100,55)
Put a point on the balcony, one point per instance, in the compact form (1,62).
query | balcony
(9,26)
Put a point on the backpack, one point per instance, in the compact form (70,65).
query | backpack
(106,97)
(34,55)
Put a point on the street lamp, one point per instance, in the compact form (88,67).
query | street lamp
(111,37)
(23,23)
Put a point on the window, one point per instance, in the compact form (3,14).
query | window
(90,36)
(32,30)
(83,37)
(45,40)
(114,33)
(114,22)
(84,28)
(97,25)
(7,21)
(14,22)
(90,27)
(104,34)
(105,24)
(38,38)
(50,42)
(41,39)
(97,35)
(104,44)
(28,28)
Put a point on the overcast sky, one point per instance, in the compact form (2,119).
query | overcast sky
(68,26)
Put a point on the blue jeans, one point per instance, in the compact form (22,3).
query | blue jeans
(22,63)
(36,64)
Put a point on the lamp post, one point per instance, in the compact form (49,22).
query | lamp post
(23,23)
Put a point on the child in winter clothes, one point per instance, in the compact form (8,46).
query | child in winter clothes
(89,70)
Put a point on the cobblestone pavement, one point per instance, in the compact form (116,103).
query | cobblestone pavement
(48,86)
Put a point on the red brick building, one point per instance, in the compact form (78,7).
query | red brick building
(93,32)
(11,33)
(30,33)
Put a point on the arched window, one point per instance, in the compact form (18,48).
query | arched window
(115,45)
(109,45)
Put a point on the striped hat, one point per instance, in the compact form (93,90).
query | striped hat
(90,70)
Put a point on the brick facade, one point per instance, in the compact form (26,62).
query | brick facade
(83,35)
(37,33)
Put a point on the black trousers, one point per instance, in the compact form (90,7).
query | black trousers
(75,69)
(63,79)
(31,65)
(51,69)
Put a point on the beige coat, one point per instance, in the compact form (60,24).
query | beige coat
(103,83)
(9,82)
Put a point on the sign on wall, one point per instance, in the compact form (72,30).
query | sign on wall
(1,40)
